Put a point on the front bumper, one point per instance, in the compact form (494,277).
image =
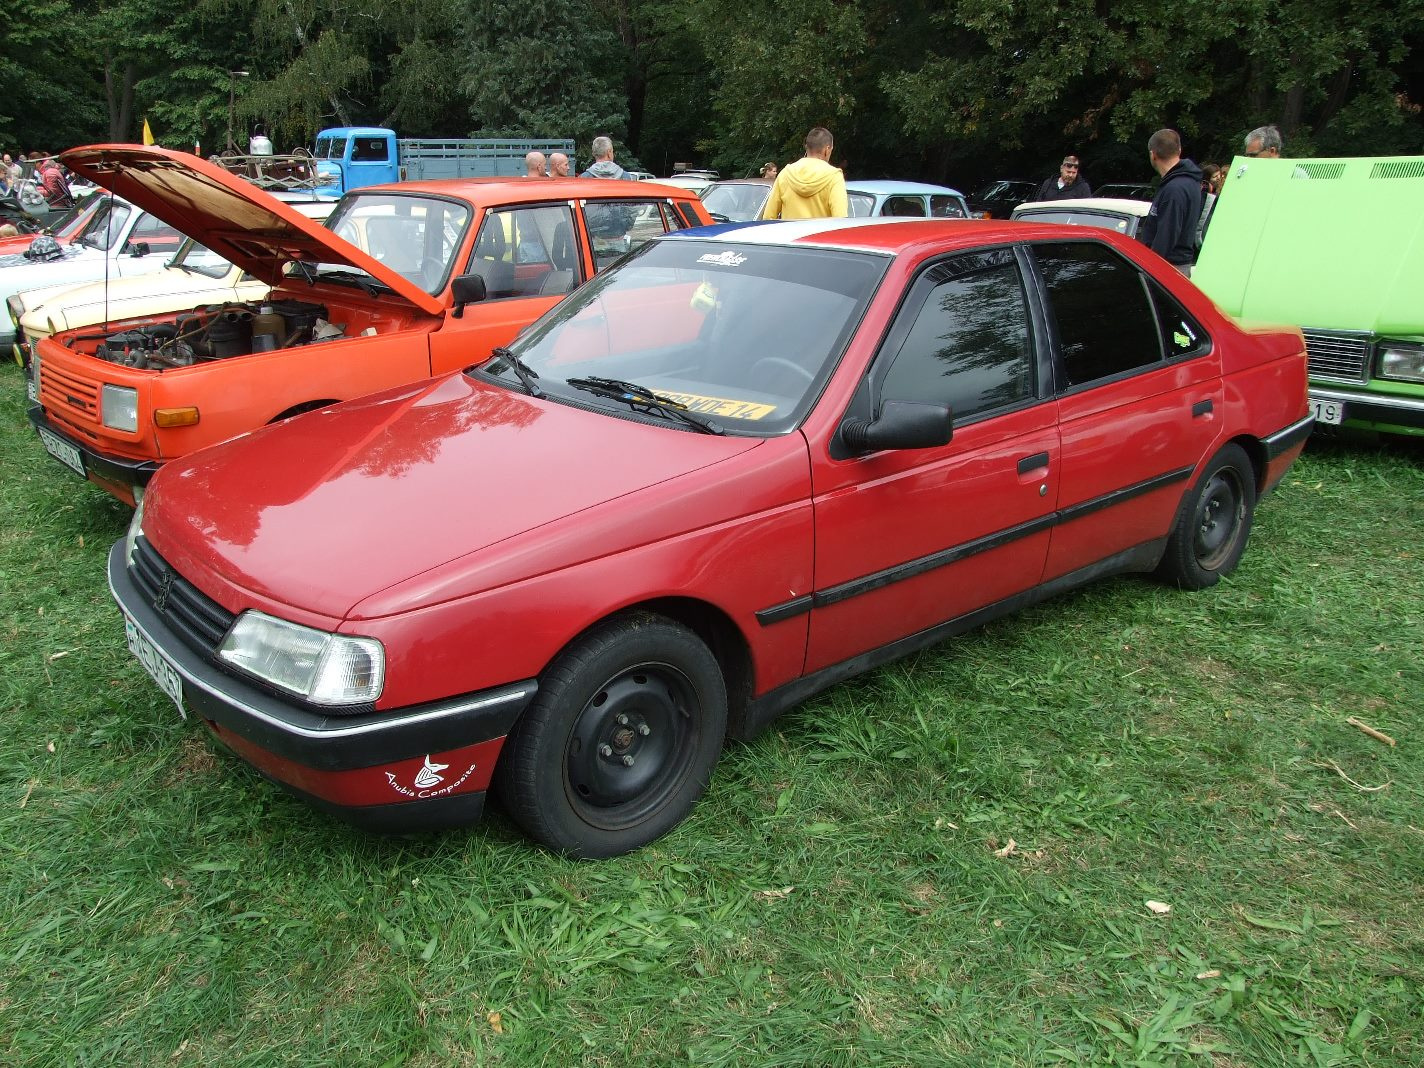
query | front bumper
(118,475)
(412,768)
(1375,411)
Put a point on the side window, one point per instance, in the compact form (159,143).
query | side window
(1106,322)
(616,227)
(370,150)
(527,252)
(1182,335)
(903,206)
(969,344)
(160,236)
(946,207)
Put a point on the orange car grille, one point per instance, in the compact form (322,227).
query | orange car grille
(72,398)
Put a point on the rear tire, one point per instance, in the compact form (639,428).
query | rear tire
(1214,523)
(620,741)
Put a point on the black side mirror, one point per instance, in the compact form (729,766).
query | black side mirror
(138,248)
(467,289)
(901,425)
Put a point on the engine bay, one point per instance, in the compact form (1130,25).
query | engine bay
(221,331)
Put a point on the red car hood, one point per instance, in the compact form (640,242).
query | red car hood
(228,214)
(323,511)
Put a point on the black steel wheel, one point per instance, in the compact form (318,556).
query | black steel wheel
(620,741)
(1214,523)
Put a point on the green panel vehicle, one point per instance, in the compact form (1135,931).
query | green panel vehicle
(1336,247)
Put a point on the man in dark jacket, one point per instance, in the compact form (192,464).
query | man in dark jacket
(1170,229)
(1066,184)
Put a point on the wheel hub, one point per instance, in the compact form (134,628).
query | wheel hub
(626,737)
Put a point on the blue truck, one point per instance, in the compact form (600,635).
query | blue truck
(348,157)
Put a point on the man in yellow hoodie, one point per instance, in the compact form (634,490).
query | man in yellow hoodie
(810,188)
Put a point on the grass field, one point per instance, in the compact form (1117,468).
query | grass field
(945,862)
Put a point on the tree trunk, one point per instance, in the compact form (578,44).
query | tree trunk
(118,96)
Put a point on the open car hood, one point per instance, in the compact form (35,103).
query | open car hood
(228,214)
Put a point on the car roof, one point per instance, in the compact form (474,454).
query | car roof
(891,236)
(1102,205)
(891,186)
(493,192)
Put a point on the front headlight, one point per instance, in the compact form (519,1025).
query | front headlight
(16,308)
(118,408)
(326,669)
(1401,362)
(135,529)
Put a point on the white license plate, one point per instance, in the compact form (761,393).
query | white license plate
(1328,412)
(156,664)
(32,388)
(62,451)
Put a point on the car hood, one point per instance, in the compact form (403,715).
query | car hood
(231,216)
(330,508)
(1334,244)
(66,304)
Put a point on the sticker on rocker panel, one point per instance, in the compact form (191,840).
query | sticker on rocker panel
(723,259)
(723,406)
(427,779)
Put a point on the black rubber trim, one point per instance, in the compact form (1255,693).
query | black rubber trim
(761,711)
(912,568)
(1201,408)
(1283,441)
(109,468)
(316,740)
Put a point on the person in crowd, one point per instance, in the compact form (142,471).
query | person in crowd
(558,165)
(56,190)
(1212,177)
(1264,142)
(603,165)
(534,165)
(1067,183)
(1170,228)
(810,188)
(9,176)
(9,230)
(768,170)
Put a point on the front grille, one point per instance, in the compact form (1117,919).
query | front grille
(1344,357)
(196,618)
(75,397)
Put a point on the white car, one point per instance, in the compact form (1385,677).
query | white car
(194,276)
(1107,213)
(118,241)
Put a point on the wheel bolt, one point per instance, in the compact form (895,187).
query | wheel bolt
(605,750)
(627,761)
(622,720)
(644,729)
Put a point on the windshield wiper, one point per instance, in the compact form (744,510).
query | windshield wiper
(306,270)
(359,278)
(641,398)
(522,370)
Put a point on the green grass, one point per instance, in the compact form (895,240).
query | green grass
(837,899)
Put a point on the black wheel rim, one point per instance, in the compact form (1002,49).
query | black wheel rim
(1220,515)
(631,745)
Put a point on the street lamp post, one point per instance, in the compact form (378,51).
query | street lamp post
(232,77)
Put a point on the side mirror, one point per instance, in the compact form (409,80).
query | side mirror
(467,289)
(138,248)
(901,425)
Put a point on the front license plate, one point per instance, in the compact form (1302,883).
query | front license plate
(156,664)
(1328,412)
(62,451)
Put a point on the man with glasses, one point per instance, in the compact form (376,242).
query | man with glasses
(1264,142)
(1066,184)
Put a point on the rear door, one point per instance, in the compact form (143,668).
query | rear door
(1139,399)
(906,540)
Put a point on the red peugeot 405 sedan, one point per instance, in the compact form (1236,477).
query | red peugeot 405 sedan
(743,464)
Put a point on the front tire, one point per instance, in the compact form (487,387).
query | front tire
(620,741)
(1215,521)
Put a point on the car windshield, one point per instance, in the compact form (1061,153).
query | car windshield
(739,335)
(329,147)
(736,203)
(200,259)
(105,225)
(1102,220)
(999,191)
(415,236)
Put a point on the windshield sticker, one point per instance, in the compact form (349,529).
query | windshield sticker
(728,409)
(723,259)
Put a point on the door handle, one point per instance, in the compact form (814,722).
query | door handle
(1033,463)
(1201,408)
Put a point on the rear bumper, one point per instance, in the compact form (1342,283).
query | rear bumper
(1376,410)
(411,768)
